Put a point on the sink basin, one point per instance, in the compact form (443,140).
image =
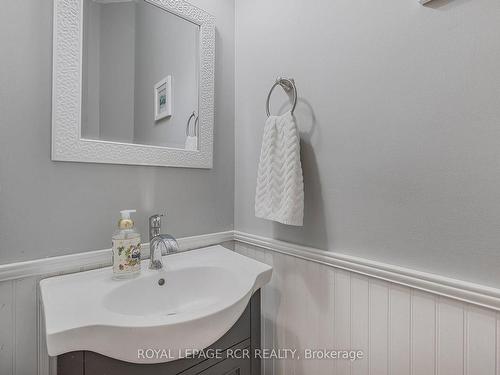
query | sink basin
(186,290)
(188,305)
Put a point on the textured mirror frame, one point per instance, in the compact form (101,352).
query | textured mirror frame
(67,144)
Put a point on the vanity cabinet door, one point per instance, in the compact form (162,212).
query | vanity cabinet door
(229,367)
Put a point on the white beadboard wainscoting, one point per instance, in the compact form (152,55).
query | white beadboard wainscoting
(405,321)
(311,304)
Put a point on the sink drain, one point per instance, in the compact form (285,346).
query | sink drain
(161,282)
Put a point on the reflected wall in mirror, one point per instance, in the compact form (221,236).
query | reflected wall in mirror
(140,81)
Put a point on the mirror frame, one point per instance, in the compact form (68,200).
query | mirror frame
(67,143)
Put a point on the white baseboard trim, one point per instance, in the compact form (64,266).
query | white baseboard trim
(95,259)
(476,294)
(444,286)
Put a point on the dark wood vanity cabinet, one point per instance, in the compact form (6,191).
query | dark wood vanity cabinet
(243,337)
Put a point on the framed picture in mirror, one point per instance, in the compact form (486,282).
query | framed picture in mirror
(163,98)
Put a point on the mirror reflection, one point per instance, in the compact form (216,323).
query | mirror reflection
(140,75)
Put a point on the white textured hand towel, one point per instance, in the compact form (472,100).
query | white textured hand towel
(191,143)
(280,188)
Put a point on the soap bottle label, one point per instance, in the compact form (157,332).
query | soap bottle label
(126,256)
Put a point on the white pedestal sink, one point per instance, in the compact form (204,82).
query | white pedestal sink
(203,293)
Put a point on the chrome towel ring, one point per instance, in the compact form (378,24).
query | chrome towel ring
(288,84)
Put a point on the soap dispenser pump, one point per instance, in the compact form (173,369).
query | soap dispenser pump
(126,248)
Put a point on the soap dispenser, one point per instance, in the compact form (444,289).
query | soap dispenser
(126,248)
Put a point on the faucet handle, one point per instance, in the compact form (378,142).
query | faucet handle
(155,220)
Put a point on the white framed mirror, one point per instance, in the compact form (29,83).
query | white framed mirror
(133,83)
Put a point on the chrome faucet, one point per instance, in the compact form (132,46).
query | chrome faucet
(157,241)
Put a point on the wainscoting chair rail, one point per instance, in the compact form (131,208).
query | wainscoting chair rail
(95,259)
(476,294)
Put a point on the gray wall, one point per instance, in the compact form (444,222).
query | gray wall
(399,112)
(53,208)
